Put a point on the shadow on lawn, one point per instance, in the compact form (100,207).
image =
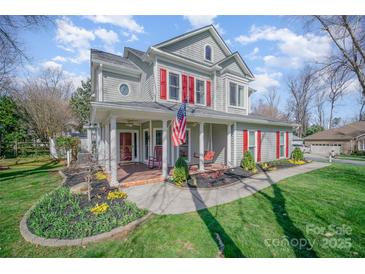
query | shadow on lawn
(292,233)
(230,248)
(26,172)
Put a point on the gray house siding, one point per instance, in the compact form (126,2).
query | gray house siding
(231,66)
(147,79)
(193,48)
(112,82)
(268,145)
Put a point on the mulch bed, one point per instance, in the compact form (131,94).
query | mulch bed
(217,178)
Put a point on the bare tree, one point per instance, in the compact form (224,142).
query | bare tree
(45,100)
(361,102)
(337,85)
(319,103)
(348,36)
(12,52)
(302,88)
(269,106)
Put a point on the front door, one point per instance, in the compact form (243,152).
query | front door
(126,148)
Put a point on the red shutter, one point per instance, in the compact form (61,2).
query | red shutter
(259,146)
(277,144)
(163,84)
(191,90)
(287,145)
(209,98)
(245,140)
(184,88)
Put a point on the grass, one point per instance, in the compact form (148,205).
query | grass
(250,227)
(352,157)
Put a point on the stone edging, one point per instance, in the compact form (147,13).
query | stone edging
(34,239)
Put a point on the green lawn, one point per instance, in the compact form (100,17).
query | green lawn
(352,157)
(333,195)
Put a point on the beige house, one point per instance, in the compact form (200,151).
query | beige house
(345,139)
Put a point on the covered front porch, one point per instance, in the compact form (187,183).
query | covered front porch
(135,174)
(127,139)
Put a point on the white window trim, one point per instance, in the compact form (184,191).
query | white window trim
(211,53)
(144,144)
(195,91)
(229,94)
(133,144)
(129,89)
(248,142)
(189,146)
(285,144)
(168,85)
(154,137)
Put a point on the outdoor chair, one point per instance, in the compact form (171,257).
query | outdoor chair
(156,159)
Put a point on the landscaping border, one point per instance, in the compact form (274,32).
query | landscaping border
(121,231)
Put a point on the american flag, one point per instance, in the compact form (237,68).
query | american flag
(179,126)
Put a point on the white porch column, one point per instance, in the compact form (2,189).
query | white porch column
(201,146)
(235,144)
(150,147)
(113,151)
(164,149)
(229,150)
(89,143)
(99,141)
(107,147)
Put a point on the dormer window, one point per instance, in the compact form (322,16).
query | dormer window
(208,53)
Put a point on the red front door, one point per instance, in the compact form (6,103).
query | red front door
(126,146)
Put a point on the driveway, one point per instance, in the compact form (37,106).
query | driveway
(324,159)
(164,198)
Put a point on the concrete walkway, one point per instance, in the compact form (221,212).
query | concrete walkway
(163,198)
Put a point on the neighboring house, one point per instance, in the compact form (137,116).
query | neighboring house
(138,94)
(345,139)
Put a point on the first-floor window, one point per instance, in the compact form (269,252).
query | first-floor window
(282,144)
(146,144)
(158,141)
(200,92)
(174,86)
(252,143)
(184,148)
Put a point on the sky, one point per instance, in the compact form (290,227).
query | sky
(274,47)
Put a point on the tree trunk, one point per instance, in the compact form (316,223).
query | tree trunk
(331,114)
(52,148)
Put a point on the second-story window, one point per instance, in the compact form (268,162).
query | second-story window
(174,86)
(236,95)
(208,53)
(200,92)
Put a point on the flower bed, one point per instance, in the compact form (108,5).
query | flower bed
(279,164)
(214,179)
(65,215)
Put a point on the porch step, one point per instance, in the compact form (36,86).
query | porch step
(140,182)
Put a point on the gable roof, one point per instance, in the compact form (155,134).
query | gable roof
(98,55)
(136,52)
(236,55)
(186,35)
(344,133)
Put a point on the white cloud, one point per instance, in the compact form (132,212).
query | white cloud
(198,21)
(74,39)
(253,54)
(264,81)
(76,79)
(123,21)
(59,59)
(51,65)
(294,48)
(109,37)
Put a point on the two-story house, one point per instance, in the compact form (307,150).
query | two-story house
(138,94)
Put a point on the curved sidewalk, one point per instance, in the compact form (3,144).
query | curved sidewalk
(163,198)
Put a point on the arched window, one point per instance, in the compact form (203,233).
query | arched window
(208,53)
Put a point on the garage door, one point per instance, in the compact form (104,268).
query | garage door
(325,149)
